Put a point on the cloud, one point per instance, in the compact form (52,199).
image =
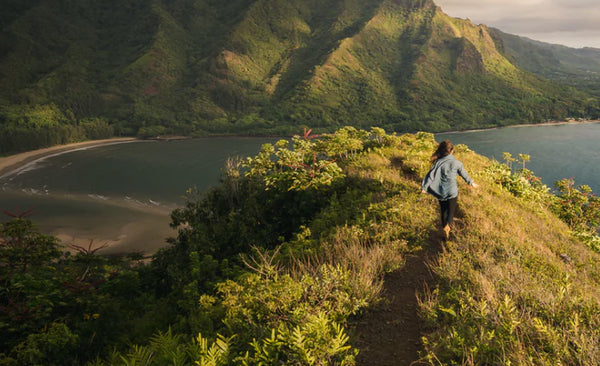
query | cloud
(534,24)
(574,23)
(485,3)
(576,4)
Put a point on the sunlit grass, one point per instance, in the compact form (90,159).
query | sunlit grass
(515,287)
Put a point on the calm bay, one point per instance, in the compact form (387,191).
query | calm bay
(556,151)
(119,194)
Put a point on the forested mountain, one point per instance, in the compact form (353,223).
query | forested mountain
(579,67)
(71,69)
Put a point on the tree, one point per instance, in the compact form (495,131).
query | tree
(26,287)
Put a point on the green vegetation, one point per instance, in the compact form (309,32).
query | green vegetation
(270,266)
(63,308)
(202,67)
(29,128)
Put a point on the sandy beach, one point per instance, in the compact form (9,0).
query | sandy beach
(556,123)
(132,234)
(12,162)
(146,235)
(541,124)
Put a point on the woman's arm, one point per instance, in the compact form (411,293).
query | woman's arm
(463,173)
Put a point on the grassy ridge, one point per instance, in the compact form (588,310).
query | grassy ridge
(270,266)
(513,285)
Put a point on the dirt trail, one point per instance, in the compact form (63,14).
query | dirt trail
(390,333)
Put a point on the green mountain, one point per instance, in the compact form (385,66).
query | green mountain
(579,67)
(74,69)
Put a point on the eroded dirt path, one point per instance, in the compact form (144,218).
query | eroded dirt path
(390,333)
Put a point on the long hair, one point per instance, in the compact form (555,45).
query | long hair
(445,148)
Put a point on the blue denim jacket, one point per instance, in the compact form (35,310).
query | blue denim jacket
(440,181)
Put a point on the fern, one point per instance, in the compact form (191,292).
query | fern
(138,356)
(215,355)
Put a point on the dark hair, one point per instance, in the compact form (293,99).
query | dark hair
(445,148)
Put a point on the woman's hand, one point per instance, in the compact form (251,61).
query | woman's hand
(474,185)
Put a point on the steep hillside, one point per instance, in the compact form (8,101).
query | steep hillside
(570,66)
(286,262)
(196,67)
(464,80)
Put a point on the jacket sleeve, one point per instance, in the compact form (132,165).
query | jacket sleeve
(426,181)
(463,173)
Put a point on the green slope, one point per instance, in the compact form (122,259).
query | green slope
(512,285)
(462,71)
(277,263)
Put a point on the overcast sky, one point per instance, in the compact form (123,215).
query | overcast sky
(573,23)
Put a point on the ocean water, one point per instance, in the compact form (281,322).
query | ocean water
(119,194)
(557,152)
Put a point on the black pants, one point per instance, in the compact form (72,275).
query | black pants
(448,209)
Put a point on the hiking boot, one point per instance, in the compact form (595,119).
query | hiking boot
(446,232)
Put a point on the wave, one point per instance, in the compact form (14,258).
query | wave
(31,191)
(32,195)
(97,196)
(131,202)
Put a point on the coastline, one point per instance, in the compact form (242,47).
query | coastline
(14,162)
(541,124)
(556,123)
(125,235)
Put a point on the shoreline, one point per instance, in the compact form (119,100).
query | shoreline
(541,124)
(11,163)
(129,235)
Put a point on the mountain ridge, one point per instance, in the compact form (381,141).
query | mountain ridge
(571,66)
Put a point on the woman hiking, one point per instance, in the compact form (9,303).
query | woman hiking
(440,182)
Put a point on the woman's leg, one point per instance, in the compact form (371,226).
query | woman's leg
(444,207)
(447,210)
(452,204)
